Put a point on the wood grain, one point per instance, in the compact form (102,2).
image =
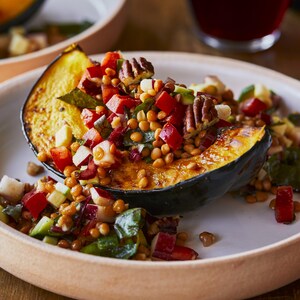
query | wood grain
(168,26)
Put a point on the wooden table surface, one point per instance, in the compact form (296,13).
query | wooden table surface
(167,26)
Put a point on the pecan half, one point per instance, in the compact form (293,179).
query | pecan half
(135,70)
(199,115)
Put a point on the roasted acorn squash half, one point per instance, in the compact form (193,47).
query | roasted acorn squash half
(13,13)
(228,164)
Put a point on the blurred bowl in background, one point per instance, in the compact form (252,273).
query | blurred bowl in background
(14,13)
(108,18)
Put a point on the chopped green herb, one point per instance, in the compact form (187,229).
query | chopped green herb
(13,211)
(145,106)
(80,99)
(103,126)
(285,170)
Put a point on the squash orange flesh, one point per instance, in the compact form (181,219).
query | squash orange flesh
(228,147)
(43,113)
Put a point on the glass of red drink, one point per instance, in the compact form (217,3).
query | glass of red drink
(239,25)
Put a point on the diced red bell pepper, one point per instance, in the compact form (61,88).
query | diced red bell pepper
(183,253)
(266,118)
(95,71)
(89,117)
(108,91)
(90,172)
(117,103)
(92,138)
(222,123)
(110,61)
(87,85)
(177,115)
(253,106)
(35,202)
(163,245)
(284,205)
(117,136)
(62,157)
(165,102)
(171,136)
(86,229)
(209,138)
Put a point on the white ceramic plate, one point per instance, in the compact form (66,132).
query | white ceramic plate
(107,16)
(253,254)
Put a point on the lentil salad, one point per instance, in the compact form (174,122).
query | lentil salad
(84,194)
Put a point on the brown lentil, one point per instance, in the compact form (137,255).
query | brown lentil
(101,172)
(140,256)
(156,153)
(26,215)
(106,80)
(98,153)
(119,206)
(144,125)
(195,152)
(267,185)
(182,236)
(80,198)
(161,115)
(296,206)
(74,146)
(274,190)
(250,199)
(151,116)
(192,166)
(144,97)
(116,122)
(141,173)
(132,123)
(207,238)
(258,185)
(104,229)
(152,92)
(68,170)
(158,84)
(146,152)
(42,156)
(115,81)
(169,158)
(165,149)
(261,196)
(70,182)
(94,232)
(157,133)
(136,137)
(143,182)
(141,116)
(154,125)
(76,245)
(76,190)
(158,163)
(63,244)
(70,210)
(110,72)
(26,228)
(105,180)
(33,169)
(109,212)
(272,203)
(157,143)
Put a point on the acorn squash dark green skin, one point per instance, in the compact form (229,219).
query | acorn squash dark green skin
(197,191)
(22,17)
